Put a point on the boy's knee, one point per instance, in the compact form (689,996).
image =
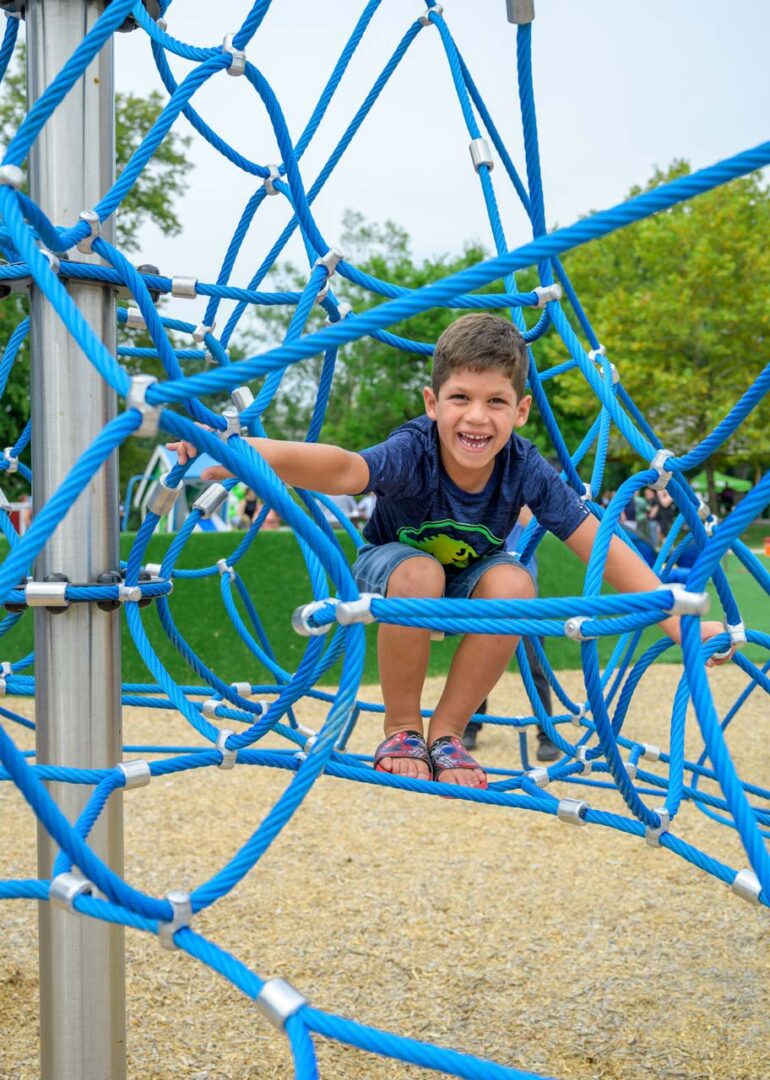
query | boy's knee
(505,583)
(417,576)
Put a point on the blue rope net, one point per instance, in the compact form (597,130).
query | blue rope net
(230,721)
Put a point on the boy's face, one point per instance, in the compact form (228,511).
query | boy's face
(475,413)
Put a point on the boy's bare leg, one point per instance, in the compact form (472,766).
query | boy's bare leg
(403,654)
(477,666)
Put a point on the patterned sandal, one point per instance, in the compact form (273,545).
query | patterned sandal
(404,744)
(448,752)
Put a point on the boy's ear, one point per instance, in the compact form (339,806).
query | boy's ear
(522,411)
(430,402)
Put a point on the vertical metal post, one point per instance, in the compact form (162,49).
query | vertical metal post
(77,665)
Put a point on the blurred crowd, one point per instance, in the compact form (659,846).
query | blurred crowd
(245,506)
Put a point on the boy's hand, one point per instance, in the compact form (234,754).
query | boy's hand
(185,451)
(709,630)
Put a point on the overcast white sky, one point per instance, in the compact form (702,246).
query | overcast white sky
(621,87)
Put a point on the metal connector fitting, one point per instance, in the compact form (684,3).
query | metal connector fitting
(87,243)
(572,811)
(129,594)
(241,398)
(224,568)
(686,603)
(242,689)
(13,462)
(581,714)
(53,260)
(652,836)
(229,757)
(343,310)
(521,12)
(704,510)
(136,773)
(278,1000)
(595,356)
(200,331)
(238,62)
(180,902)
(746,885)
(184,287)
(269,182)
(650,752)
(6,669)
(135,319)
(210,500)
(481,154)
(588,494)
(46,594)
(161,25)
(210,706)
(581,755)
(631,769)
(538,776)
(547,293)
(424,18)
(232,419)
(66,888)
(11,176)
(300,618)
(136,398)
(357,611)
(330,260)
(162,498)
(737,634)
(573,629)
(658,463)
(3,686)
(153,569)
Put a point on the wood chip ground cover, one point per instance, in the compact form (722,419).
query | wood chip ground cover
(581,954)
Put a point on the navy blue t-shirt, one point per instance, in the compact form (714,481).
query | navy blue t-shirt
(418,503)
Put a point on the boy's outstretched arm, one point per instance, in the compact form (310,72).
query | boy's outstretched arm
(317,466)
(628,572)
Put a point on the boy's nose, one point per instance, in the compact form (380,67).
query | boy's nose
(476,412)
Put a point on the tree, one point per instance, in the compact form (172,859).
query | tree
(680,302)
(151,198)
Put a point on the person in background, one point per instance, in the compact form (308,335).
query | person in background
(366,506)
(347,505)
(546,749)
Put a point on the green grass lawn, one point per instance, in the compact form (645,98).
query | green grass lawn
(275,573)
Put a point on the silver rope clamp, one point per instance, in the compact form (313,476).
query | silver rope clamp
(572,811)
(652,836)
(330,260)
(343,310)
(229,757)
(547,293)
(136,773)
(573,629)
(210,500)
(425,20)
(581,755)
(746,885)
(242,689)
(704,510)
(135,319)
(241,398)
(538,776)
(11,176)
(136,398)
(184,287)
(650,752)
(580,715)
(357,611)
(595,356)
(52,260)
(631,769)
(588,494)
(238,62)
(182,917)
(686,603)
(232,418)
(269,182)
(46,594)
(200,331)
(66,888)
(224,568)
(13,462)
(162,497)
(129,594)
(3,686)
(153,569)
(300,618)
(92,220)
(658,463)
(278,1000)
(210,706)
(481,154)
(521,12)
(737,634)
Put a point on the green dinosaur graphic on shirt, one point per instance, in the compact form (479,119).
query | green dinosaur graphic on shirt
(434,537)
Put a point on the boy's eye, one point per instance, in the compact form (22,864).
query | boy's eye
(498,401)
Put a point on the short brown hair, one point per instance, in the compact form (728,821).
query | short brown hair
(481,342)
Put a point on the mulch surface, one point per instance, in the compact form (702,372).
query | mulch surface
(575,953)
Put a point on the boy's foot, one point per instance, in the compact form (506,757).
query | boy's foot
(404,754)
(452,764)
(546,749)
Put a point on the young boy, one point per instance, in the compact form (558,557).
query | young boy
(450,486)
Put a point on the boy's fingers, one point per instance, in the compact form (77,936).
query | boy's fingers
(216,472)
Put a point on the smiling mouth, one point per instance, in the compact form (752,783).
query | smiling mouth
(474,443)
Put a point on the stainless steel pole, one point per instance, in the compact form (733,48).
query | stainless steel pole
(77,652)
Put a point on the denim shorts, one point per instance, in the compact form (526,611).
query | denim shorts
(376,562)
